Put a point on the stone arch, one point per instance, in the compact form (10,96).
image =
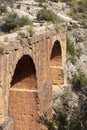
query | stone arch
(56,55)
(55,69)
(23,97)
(25,74)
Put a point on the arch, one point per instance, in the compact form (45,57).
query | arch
(55,69)
(25,74)
(23,102)
(56,55)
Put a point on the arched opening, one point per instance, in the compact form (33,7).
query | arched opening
(56,55)
(25,74)
(23,99)
(56,72)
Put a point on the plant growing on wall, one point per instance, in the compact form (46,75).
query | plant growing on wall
(30,30)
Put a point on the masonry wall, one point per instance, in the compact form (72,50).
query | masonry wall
(39,48)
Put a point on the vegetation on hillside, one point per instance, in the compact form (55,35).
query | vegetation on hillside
(41,1)
(47,15)
(80,80)
(2,9)
(78,11)
(12,21)
(30,30)
(8,1)
(66,118)
(72,52)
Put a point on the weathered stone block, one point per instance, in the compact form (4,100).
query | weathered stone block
(56,75)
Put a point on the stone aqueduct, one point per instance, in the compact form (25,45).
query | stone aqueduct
(28,69)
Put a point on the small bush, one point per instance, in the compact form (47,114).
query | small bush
(12,21)
(28,8)
(1,49)
(6,39)
(30,30)
(83,23)
(74,3)
(57,28)
(55,0)
(71,48)
(69,27)
(81,79)
(78,52)
(47,15)
(22,21)
(18,6)
(71,51)
(78,8)
(70,13)
(75,124)
(41,1)
(3,9)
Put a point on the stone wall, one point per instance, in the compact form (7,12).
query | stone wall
(24,104)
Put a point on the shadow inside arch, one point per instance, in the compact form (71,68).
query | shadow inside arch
(24,74)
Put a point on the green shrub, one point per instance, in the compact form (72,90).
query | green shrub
(83,23)
(28,8)
(71,48)
(40,1)
(30,30)
(50,124)
(18,6)
(1,49)
(47,15)
(78,52)
(55,0)
(9,23)
(22,21)
(3,9)
(81,79)
(66,118)
(78,7)
(74,3)
(57,27)
(70,13)
(75,124)
(69,27)
(12,21)
(84,4)
(58,24)
(72,51)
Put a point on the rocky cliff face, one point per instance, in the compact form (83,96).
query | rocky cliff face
(78,37)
